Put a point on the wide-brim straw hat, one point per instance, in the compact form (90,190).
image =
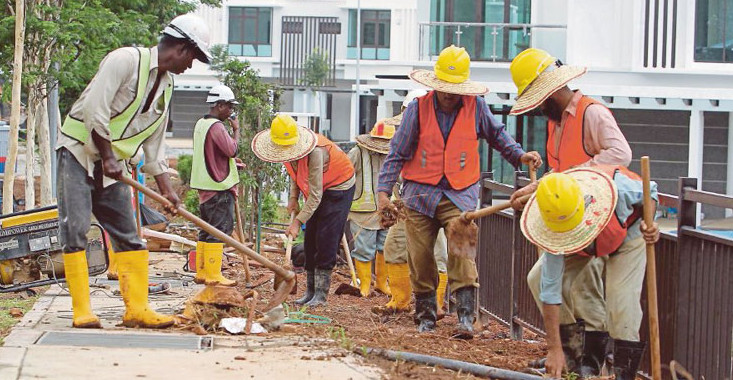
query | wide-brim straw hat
(395,120)
(374,144)
(601,197)
(546,84)
(429,79)
(268,151)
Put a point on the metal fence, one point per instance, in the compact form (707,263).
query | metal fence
(308,43)
(694,281)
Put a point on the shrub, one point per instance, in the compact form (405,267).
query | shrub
(192,202)
(184,168)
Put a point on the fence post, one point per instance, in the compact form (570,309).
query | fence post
(516,329)
(485,195)
(687,217)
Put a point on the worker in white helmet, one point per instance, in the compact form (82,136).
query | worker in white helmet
(123,109)
(214,175)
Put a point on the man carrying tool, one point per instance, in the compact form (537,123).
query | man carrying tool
(322,172)
(367,157)
(124,108)
(214,174)
(581,132)
(436,150)
(395,249)
(590,212)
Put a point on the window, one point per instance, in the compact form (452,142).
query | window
(481,42)
(713,31)
(249,31)
(375,29)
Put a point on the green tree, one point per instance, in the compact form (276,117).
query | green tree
(315,69)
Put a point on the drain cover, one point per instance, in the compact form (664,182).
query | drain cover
(60,338)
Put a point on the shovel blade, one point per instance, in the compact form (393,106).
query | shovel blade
(281,294)
(462,238)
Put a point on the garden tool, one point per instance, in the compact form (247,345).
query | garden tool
(651,274)
(280,294)
(288,262)
(351,289)
(240,232)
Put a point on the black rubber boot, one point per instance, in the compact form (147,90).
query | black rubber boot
(626,358)
(310,289)
(572,337)
(595,347)
(322,286)
(426,311)
(466,310)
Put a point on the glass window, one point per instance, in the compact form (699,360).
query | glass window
(713,31)
(375,34)
(249,31)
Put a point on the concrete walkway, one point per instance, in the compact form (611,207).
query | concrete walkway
(43,345)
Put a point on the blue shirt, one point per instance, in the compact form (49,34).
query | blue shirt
(630,195)
(425,198)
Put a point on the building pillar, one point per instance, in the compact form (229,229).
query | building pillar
(729,176)
(383,107)
(354,130)
(695,152)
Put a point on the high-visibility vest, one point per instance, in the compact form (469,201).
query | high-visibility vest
(570,151)
(457,158)
(126,147)
(366,201)
(611,238)
(200,177)
(339,168)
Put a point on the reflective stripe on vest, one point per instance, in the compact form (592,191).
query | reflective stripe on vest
(366,201)
(339,168)
(200,177)
(457,159)
(125,147)
(570,151)
(611,238)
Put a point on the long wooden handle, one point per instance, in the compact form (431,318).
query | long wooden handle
(289,244)
(136,202)
(288,275)
(486,211)
(240,232)
(651,274)
(345,245)
(532,172)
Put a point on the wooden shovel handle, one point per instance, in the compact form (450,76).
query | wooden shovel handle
(486,211)
(288,275)
(289,243)
(347,252)
(532,172)
(651,274)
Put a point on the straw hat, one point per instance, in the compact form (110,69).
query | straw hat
(600,197)
(450,74)
(395,120)
(378,139)
(284,141)
(537,76)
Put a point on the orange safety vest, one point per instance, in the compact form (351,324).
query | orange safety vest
(611,238)
(571,150)
(457,159)
(338,171)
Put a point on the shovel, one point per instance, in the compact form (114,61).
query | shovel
(280,294)
(288,262)
(462,233)
(348,288)
(651,274)
(240,232)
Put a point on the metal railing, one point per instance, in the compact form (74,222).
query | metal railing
(694,281)
(483,41)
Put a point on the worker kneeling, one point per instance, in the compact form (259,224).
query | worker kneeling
(588,221)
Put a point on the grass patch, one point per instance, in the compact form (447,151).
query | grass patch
(7,321)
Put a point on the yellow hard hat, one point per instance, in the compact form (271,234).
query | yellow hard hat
(453,65)
(382,130)
(560,201)
(528,65)
(283,130)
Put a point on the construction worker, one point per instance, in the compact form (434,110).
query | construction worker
(395,249)
(214,174)
(322,172)
(590,212)
(436,151)
(367,158)
(124,108)
(581,132)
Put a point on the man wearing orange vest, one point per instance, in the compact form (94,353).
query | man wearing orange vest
(323,173)
(589,212)
(436,150)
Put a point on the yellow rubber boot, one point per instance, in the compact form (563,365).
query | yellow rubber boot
(112,270)
(364,274)
(212,265)
(200,257)
(399,278)
(440,292)
(380,270)
(133,271)
(77,277)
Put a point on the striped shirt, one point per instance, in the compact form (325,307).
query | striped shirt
(424,198)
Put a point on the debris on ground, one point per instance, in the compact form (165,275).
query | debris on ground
(15,312)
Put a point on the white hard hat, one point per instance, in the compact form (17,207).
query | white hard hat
(192,28)
(221,93)
(412,95)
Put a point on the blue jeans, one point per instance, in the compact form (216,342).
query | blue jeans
(367,242)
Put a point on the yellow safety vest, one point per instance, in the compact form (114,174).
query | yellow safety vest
(366,201)
(124,147)
(200,178)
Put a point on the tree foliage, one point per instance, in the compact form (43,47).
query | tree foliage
(315,69)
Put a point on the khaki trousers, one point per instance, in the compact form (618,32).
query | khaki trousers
(395,247)
(422,232)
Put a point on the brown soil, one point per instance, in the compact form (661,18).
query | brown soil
(462,238)
(390,216)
